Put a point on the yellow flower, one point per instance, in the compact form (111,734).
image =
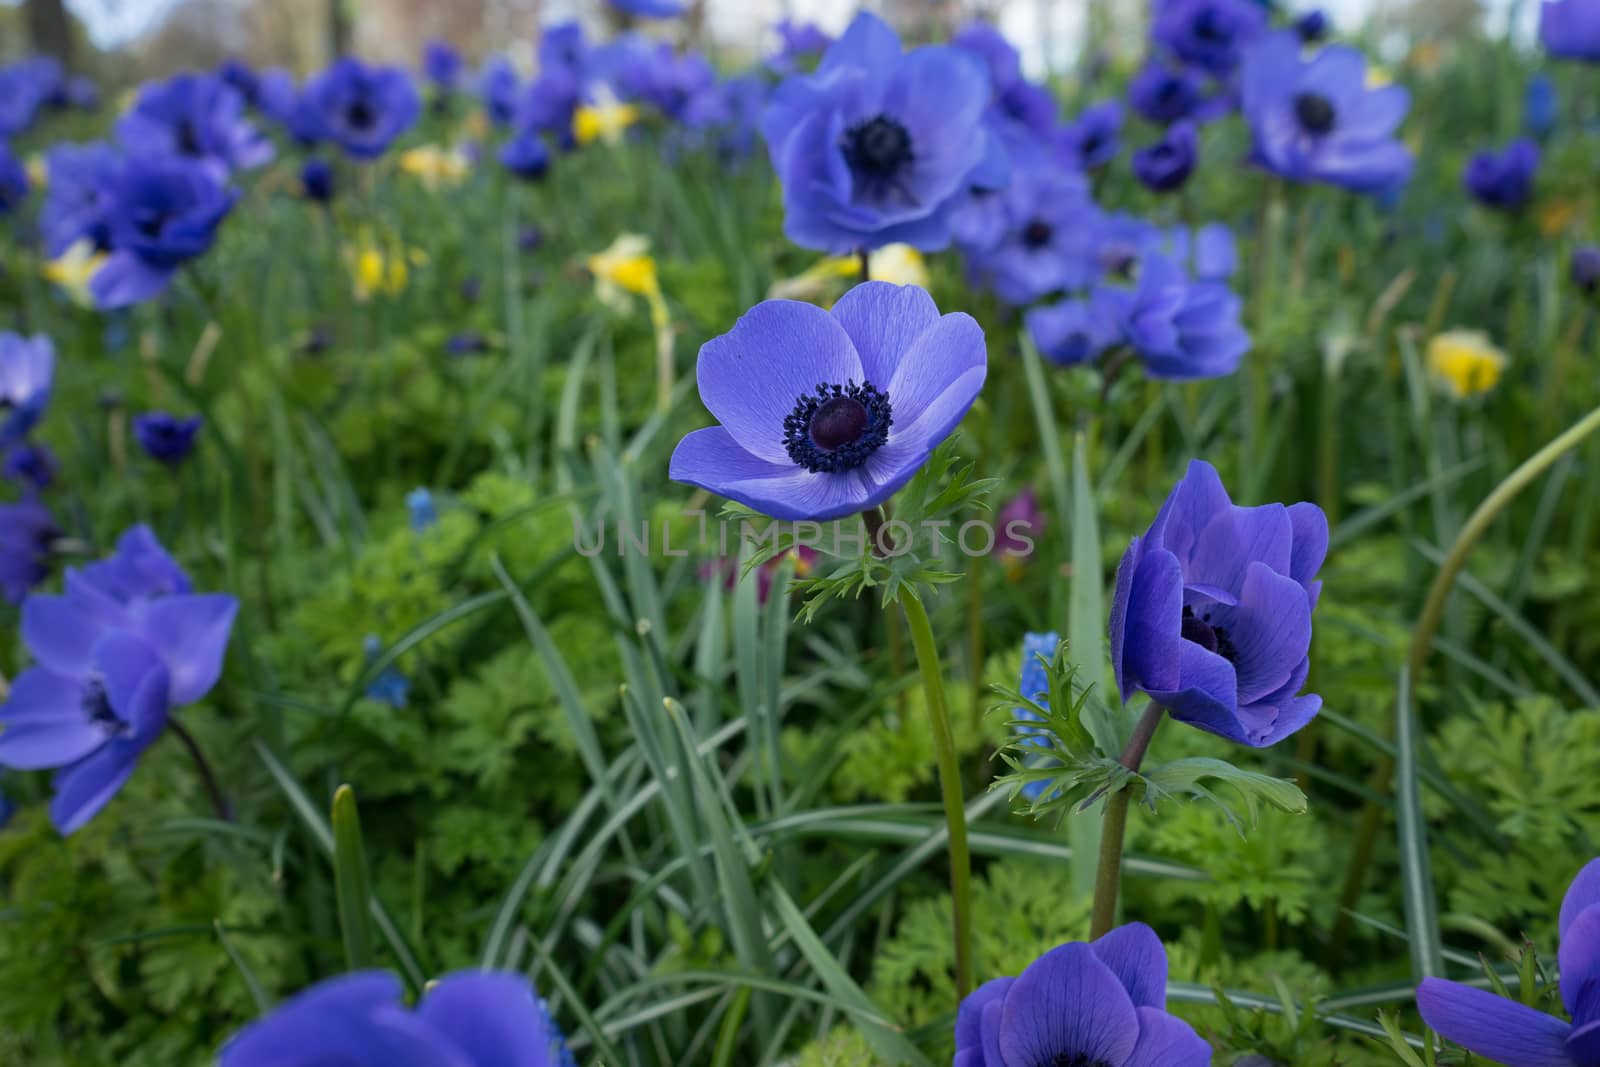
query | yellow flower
(625,267)
(1378,77)
(1465,362)
(436,166)
(38,172)
(74,269)
(375,269)
(900,264)
(605,118)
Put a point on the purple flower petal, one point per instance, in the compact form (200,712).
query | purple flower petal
(884,321)
(45,725)
(969,1017)
(712,459)
(1167,1041)
(1582,894)
(1067,1003)
(1237,538)
(494,1018)
(1270,630)
(937,381)
(1206,695)
(1580,961)
(751,377)
(1136,956)
(59,633)
(87,786)
(1493,1027)
(191,633)
(1153,624)
(868,44)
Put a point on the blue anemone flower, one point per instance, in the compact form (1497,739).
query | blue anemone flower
(1093,139)
(877,146)
(499,88)
(1020,112)
(1076,330)
(31,466)
(26,86)
(317,180)
(126,643)
(197,117)
(1046,242)
(1102,1004)
(1504,179)
(74,208)
(1570,29)
(525,154)
(465,1019)
(161,212)
(1181,329)
(1510,1032)
(13,180)
(27,374)
(1210,34)
(825,414)
(166,438)
(360,108)
(1315,120)
(27,530)
(1212,612)
(1165,94)
(1166,165)
(443,65)
(798,44)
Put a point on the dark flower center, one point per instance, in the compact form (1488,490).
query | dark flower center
(1198,628)
(360,115)
(877,150)
(1075,1059)
(1315,113)
(150,223)
(98,707)
(189,139)
(1092,143)
(1037,234)
(836,427)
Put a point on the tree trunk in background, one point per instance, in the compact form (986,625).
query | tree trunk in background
(49,29)
(338,29)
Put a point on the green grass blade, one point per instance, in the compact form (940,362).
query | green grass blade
(351,885)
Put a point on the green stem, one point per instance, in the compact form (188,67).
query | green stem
(949,785)
(1422,644)
(1108,879)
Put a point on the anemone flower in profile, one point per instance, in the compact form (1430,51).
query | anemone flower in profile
(27,375)
(198,117)
(126,643)
(825,414)
(1181,329)
(1510,1032)
(1101,1004)
(465,1019)
(166,438)
(27,530)
(1504,179)
(1212,612)
(1317,120)
(877,147)
(360,108)
(161,213)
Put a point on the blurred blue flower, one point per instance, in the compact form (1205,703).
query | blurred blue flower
(25,87)
(1047,243)
(1210,34)
(443,65)
(1540,105)
(563,46)
(1093,139)
(277,95)
(241,77)
(1315,120)
(360,108)
(419,502)
(499,87)
(1568,29)
(1097,1005)
(1585,268)
(524,154)
(27,374)
(877,146)
(162,212)
(166,438)
(1020,112)
(27,530)
(1165,94)
(1504,179)
(83,93)
(465,1019)
(32,466)
(799,43)
(317,180)
(1212,611)
(1210,252)
(126,643)
(825,414)
(1075,331)
(81,179)
(1181,329)
(466,343)
(1312,26)
(650,9)
(1167,164)
(199,118)
(1510,1032)
(13,180)
(1120,239)
(390,686)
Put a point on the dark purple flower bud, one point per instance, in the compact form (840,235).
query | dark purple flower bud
(1165,94)
(166,438)
(466,343)
(1312,26)
(1167,164)
(1585,268)
(316,180)
(34,467)
(1212,612)
(1503,180)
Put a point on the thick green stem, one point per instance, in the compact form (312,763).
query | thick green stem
(1108,879)
(955,814)
(1422,644)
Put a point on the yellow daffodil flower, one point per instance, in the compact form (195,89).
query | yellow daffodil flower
(628,268)
(606,118)
(1465,363)
(436,167)
(900,264)
(376,269)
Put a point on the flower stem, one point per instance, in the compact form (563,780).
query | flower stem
(219,803)
(949,785)
(866,264)
(1108,879)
